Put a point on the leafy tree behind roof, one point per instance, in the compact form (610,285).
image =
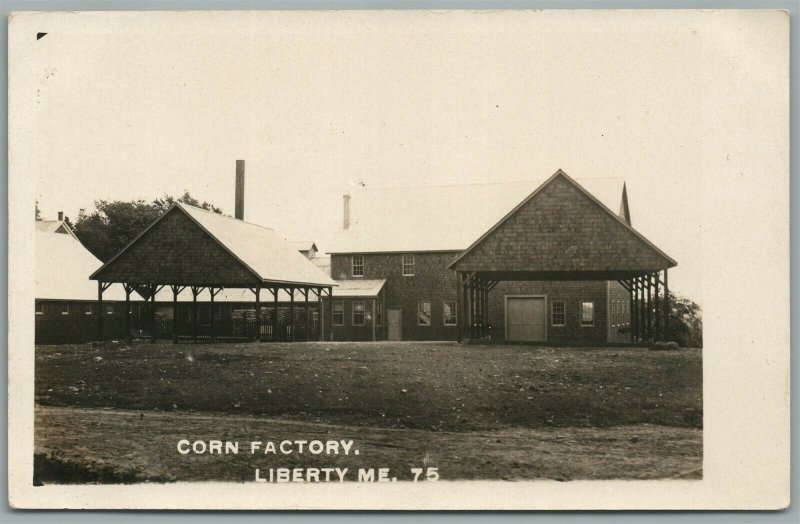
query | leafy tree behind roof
(114,224)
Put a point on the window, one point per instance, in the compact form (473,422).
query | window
(109,310)
(558,313)
(65,309)
(338,314)
(358,266)
(449,311)
(408,265)
(89,309)
(379,313)
(39,308)
(358,313)
(424,313)
(587,313)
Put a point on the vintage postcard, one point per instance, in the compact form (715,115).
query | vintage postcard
(399,260)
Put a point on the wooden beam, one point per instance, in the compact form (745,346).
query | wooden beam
(668,307)
(258,313)
(100,290)
(212,318)
(175,292)
(308,317)
(658,309)
(275,292)
(291,314)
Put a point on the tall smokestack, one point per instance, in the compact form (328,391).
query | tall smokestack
(346,223)
(239,190)
(60,216)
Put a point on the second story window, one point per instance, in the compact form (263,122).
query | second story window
(358,266)
(408,265)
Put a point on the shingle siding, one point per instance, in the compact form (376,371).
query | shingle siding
(561,229)
(434,282)
(176,249)
(572,293)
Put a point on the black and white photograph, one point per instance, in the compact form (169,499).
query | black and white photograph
(404,250)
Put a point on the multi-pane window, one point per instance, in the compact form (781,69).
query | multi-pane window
(358,313)
(424,313)
(614,318)
(358,266)
(65,309)
(379,313)
(109,310)
(338,314)
(39,308)
(558,313)
(89,309)
(450,318)
(587,313)
(408,265)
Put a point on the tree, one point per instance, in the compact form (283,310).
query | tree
(114,224)
(686,321)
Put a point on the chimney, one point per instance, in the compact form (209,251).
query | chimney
(60,216)
(239,190)
(346,224)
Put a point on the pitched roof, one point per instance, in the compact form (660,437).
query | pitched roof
(605,238)
(303,245)
(267,255)
(55,226)
(440,218)
(63,267)
(358,288)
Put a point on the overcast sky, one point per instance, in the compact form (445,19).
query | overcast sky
(137,109)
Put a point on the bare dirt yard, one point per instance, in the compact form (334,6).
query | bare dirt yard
(115,412)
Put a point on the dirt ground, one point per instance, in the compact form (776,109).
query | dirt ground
(114,413)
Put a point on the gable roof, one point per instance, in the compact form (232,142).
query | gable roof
(267,255)
(303,245)
(622,221)
(440,218)
(63,267)
(55,226)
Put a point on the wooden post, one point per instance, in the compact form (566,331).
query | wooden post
(258,312)
(128,290)
(194,314)
(463,322)
(100,312)
(308,317)
(668,307)
(320,316)
(373,320)
(630,311)
(658,307)
(213,315)
(153,288)
(291,314)
(175,291)
(275,291)
(649,317)
(636,313)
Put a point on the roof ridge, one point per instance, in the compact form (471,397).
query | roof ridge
(220,215)
(470,184)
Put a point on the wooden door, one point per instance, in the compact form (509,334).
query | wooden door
(525,319)
(394,323)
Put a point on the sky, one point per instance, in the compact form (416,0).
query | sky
(137,109)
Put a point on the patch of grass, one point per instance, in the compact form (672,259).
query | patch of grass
(392,385)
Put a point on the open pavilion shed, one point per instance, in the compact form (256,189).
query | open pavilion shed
(205,252)
(562,232)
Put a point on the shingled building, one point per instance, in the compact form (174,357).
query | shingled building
(559,263)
